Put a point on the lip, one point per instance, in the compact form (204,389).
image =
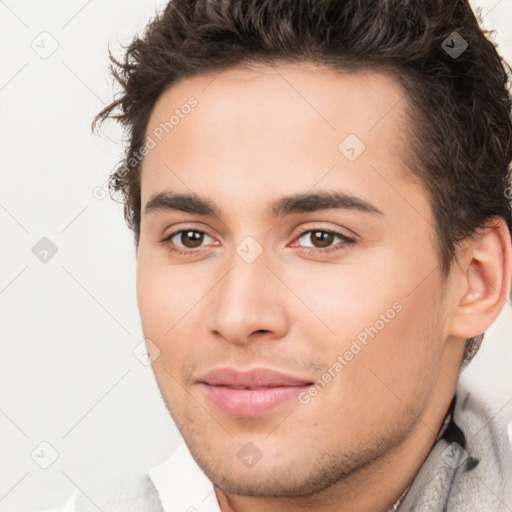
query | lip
(255,377)
(263,390)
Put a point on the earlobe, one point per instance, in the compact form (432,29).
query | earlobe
(485,269)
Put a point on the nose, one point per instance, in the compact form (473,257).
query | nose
(248,303)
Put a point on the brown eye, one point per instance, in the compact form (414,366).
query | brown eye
(185,239)
(323,241)
(190,239)
(321,238)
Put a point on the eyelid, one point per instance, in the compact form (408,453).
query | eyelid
(335,231)
(175,231)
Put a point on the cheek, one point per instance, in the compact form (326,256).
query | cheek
(398,361)
(388,375)
(164,294)
(380,315)
(169,303)
(340,300)
(149,297)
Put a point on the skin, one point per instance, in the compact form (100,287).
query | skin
(256,135)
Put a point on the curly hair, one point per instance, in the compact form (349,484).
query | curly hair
(460,140)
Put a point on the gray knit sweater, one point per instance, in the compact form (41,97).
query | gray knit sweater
(469,468)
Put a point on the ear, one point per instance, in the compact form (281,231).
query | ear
(483,275)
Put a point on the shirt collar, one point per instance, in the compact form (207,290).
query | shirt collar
(182,485)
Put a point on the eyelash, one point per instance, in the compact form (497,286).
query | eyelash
(347,241)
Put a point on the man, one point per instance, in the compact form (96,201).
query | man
(319,193)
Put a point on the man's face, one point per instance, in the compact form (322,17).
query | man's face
(257,290)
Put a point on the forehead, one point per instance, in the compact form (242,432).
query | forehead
(278,128)
(324,102)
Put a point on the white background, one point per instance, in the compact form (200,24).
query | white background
(68,375)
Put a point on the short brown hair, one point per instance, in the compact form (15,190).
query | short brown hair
(461,129)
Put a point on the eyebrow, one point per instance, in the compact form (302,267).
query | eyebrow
(297,203)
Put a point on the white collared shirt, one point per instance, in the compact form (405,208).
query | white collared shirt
(182,486)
